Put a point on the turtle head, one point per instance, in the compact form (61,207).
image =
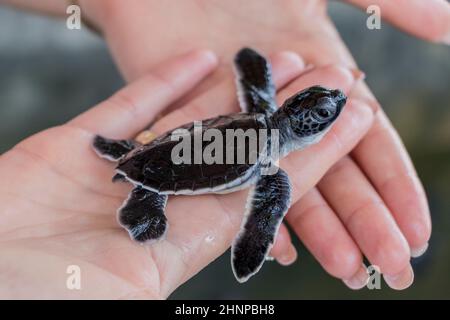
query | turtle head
(312,111)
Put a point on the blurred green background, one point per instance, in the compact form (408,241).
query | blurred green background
(49,74)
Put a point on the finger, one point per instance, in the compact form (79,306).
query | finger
(357,119)
(220,214)
(326,238)
(401,280)
(400,157)
(285,67)
(366,217)
(134,107)
(385,161)
(429,19)
(356,115)
(222,87)
(292,67)
(216,219)
(331,76)
(283,250)
(353,123)
(306,167)
(382,156)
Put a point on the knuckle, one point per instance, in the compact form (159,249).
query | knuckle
(124,102)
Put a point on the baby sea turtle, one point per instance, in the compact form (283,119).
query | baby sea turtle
(302,120)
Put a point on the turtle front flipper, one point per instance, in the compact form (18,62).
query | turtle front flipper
(266,206)
(256,89)
(142,214)
(111,149)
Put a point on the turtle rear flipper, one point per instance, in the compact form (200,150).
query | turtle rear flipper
(111,149)
(256,89)
(266,207)
(142,214)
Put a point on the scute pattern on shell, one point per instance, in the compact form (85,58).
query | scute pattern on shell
(152,167)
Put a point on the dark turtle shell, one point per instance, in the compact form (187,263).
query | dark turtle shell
(152,167)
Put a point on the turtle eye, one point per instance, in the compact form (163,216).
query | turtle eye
(323,113)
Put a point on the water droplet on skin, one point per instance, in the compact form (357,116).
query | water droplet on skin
(209,238)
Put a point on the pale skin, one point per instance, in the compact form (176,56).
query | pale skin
(369,202)
(58,205)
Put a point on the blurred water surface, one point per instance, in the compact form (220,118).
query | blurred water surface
(49,74)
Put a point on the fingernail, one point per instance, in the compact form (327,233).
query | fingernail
(359,280)
(208,55)
(288,257)
(401,280)
(292,57)
(145,137)
(357,74)
(361,118)
(417,252)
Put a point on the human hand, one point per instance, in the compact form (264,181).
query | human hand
(58,202)
(371,202)
(58,207)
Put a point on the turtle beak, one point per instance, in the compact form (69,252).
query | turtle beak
(340,99)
